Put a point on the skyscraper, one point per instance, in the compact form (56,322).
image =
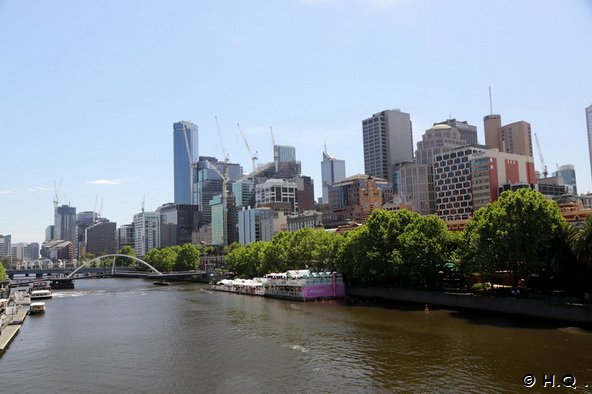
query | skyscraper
(388,141)
(332,170)
(589,125)
(65,224)
(512,138)
(185,153)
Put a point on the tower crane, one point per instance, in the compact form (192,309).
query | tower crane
(545,172)
(276,150)
(220,138)
(253,156)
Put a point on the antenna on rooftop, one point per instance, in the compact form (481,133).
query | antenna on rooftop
(490,102)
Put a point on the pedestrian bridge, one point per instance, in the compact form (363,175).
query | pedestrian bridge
(87,264)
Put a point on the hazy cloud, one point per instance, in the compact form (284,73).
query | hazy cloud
(6,191)
(39,189)
(117,181)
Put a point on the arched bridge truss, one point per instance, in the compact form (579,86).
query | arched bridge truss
(87,263)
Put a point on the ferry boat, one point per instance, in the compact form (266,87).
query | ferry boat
(303,285)
(300,285)
(242,286)
(37,307)
(40,294)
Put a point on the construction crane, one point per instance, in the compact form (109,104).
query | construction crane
(276,151)
(545,172)
(56,195)
(224,198)
(220,138)
(253,156)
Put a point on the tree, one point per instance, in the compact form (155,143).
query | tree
(122,261)
(2,272)
(187,258)
(510,233)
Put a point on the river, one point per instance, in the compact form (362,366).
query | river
(129,336)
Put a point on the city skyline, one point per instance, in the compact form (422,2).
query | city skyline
(90,97)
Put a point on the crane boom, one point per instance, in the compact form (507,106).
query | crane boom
(545,172)
(220,138)
(276,152)
(253,156)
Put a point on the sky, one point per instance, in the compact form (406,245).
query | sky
(89,91)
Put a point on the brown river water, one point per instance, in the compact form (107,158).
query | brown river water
(129,336)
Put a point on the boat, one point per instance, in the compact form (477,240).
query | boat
(61,283)
(40,285)
(299,285)
(303,285)
(254,286)
(37,307)
(40,294)
(161,283)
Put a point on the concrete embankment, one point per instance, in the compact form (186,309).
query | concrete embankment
(511,305)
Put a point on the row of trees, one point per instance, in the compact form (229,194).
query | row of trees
(522,233)
(174,258)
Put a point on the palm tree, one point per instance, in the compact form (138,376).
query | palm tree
(581,242)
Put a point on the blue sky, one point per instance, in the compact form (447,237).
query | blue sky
(89,90)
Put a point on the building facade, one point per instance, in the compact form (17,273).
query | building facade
(417,183)
(185,154)
(567,175)
(387,141)
(512,138)
(255,224)
(277,194)
(125,236)
(332,170)
(307,219)
(145,232)
(101,238)
(354,198)
(5,245)
(177,223)
(468,178)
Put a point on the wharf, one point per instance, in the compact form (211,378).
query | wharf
(7,334)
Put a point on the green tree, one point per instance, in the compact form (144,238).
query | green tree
(510,233)
(2,272)
(123,261)
(187,258)
(162,259)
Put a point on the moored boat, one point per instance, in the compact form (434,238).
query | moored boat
(36,307)
(40,294)
(303,285)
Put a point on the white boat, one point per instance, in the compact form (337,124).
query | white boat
(40,294)
(37,307)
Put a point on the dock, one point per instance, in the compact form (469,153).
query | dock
(7,334)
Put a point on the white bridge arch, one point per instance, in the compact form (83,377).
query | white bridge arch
(87,263)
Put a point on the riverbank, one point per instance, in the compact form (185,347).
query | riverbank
(543,309)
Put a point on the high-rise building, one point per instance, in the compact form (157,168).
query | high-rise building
(255,224)
(417,183)
(5,246)
(353,199)
(589,126)
(567,177)
(388,141)
(177,224)
(125,236)
(101,238)
(50,232)
(277,194)
(512,138)
(466,131)
(284,153)
(207,183)
(469,178)
(185,153)
(244,192)
(65,226)
(145,232)
(332,170)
